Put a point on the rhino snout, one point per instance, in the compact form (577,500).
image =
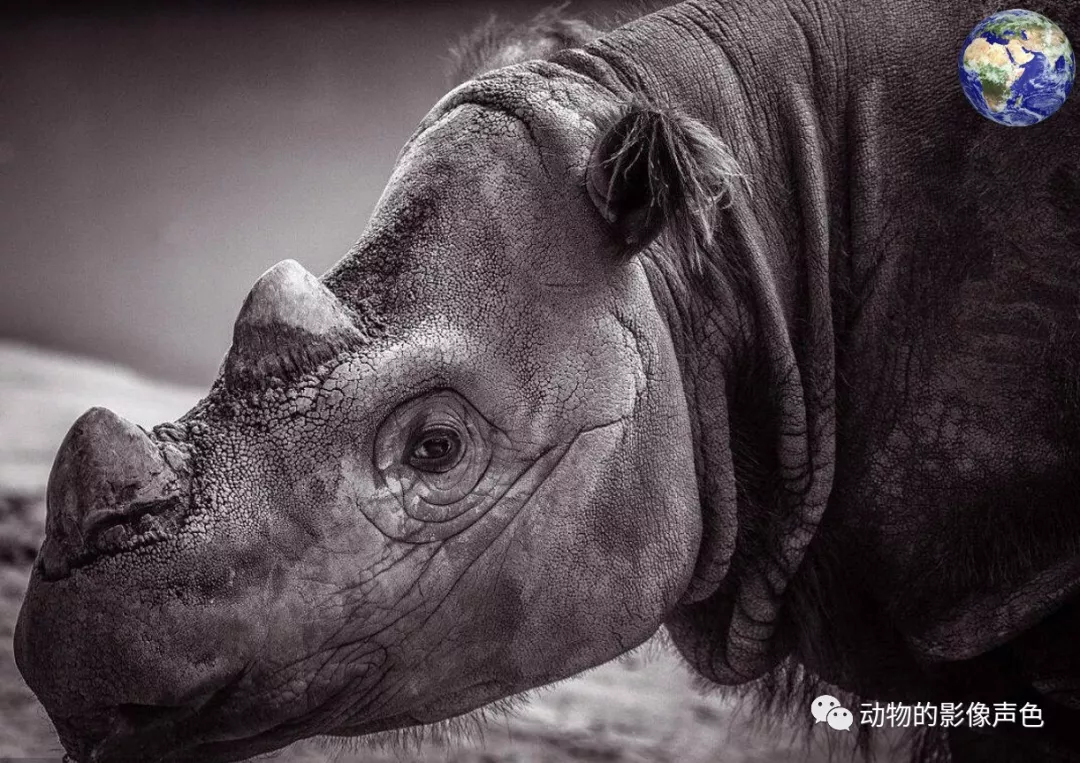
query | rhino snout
(112,489)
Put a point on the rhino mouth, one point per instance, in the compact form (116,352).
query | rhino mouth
(151,733)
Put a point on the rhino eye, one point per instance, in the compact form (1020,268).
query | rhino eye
(435,449)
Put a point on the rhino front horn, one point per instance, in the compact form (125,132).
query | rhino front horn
(110,483)
(290,323)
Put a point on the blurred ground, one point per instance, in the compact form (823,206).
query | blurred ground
(641,708)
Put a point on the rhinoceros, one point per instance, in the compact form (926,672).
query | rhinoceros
(736,320)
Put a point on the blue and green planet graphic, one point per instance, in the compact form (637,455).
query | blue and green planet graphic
(1017,67)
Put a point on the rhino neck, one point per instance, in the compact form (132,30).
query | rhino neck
(759,388)
(755,336)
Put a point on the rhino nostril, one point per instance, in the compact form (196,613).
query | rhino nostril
(139,523)
(142,516)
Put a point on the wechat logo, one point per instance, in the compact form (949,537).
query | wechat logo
(827,709)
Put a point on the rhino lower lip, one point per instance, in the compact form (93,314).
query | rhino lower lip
(212,752)
(110,752)
(139,746)
(155,734)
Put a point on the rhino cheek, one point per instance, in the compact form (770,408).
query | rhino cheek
(604,548)
(570,584)
(633,541)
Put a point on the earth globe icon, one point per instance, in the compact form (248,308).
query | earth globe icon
(1017,67)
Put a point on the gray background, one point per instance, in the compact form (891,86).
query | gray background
(152,165)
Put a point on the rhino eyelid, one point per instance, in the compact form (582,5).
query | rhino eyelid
(436,464)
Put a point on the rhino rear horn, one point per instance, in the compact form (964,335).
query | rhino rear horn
(290,323)
(656,171)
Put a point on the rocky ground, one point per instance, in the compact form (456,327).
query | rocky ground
(640,708)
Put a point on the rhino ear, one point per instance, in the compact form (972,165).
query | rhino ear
(658,171)
(289,324)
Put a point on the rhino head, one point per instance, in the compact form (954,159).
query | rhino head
(459,465)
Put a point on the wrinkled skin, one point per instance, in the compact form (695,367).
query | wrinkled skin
(849,443)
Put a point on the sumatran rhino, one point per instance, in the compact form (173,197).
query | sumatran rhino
(737,319)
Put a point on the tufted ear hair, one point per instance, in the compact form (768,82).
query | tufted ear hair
(656,171)
(497,43)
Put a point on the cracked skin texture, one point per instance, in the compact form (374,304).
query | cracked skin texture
(851,444)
